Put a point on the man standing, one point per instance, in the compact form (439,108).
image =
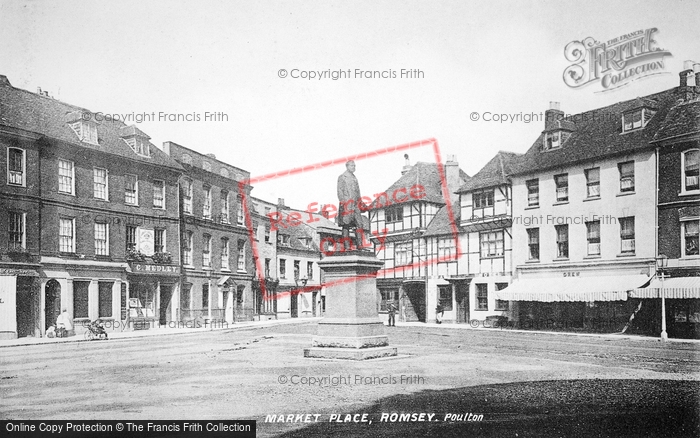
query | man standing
(392,314)
(349,214)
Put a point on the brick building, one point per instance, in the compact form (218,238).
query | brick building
(89,202)
(217,258)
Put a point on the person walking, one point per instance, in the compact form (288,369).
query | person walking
(392,314)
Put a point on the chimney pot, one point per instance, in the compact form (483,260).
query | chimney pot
(684,77)
(555,105)
(38,91)
(407,165)
(688,64)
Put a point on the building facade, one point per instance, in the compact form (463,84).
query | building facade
(399,219)
(264,245)
(98,194)
(217,256)
(486,203)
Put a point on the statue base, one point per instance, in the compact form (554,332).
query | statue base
(351,328)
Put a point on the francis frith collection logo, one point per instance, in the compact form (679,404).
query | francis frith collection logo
(615,63)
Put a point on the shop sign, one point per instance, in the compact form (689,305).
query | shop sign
(18,272)
(143,268)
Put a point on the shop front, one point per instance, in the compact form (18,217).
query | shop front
(152,297)
(20,303)
(682,303)
(575,299)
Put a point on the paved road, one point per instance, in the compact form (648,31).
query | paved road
(522,383)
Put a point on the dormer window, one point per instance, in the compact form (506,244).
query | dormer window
(283,239)
(554,139)
(139,146)
(636,119)
(86,131)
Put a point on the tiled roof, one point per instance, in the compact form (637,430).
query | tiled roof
(599,133)
(683,119)
(441,225)
(426,175)
(49,117)
(494,173)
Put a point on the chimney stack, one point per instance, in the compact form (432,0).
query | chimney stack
(4,80)
(552,116)
(407,165)
(452,177)
(280,203)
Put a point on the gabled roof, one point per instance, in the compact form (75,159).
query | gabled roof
(599,134)
(682,120)
(49,117)
(494,173)
(441,224)
(426,175)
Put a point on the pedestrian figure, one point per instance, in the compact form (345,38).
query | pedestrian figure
(392,314)
(439,313)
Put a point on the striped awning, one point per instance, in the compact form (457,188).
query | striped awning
(558,289)
(678,288)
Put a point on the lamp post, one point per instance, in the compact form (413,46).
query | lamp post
(661,263)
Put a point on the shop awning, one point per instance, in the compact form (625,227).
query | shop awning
(674,288)
(588,289)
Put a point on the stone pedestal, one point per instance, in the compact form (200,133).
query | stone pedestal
(351,328)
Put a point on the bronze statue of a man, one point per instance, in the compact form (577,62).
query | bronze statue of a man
(349,213)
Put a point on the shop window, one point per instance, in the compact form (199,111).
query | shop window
(446,297)
(104,298)
(80,299)
(482,296)
(533,243)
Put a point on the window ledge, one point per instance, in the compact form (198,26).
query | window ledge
(532,207)
(626,193)
(561,259)
(66,194)
(532,261)
(627,254)
(561,202)
(591,257)
(689,192)
(481,310)
(690,257)
(207,268)
(592,198)
(225,270)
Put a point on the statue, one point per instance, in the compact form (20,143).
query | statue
(349,214)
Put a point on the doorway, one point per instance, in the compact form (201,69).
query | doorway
(294,305)
(166,295)
(52,303)
(462,299)
(415,304)
(25,307)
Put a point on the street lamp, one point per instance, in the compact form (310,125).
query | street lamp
(661,263)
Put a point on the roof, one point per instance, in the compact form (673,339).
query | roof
(49,117)
(426,175)
(683,119)
(598,134)
(494,173)
(441,224)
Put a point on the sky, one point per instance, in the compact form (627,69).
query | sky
(189,58)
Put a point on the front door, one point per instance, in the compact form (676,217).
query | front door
(166,295)
(462,299)
(52,303)
(25,307)
(294,305)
